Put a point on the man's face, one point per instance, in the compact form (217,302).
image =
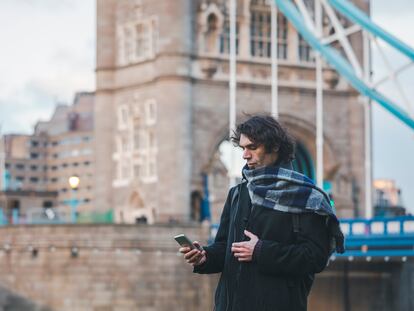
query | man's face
(255,154)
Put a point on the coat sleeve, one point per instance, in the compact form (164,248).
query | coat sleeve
(216,252)
(309,254)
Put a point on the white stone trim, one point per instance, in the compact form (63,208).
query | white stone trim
(122,116)
(128,51)
(150,112)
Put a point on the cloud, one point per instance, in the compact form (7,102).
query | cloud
(393,152)
(48,55)
(42,4)
(21,110)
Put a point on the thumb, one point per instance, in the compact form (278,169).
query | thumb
(197,245)
(249,234)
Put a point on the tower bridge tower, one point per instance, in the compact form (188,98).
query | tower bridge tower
(162,78)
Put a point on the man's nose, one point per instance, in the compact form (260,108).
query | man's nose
(246,154)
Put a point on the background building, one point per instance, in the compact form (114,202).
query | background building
(162,105)
(388,198)
(38,166)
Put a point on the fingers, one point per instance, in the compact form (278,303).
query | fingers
(194,257)
(196,260)
(242,251)
(239,244)
(243,256)
(197,245)
(238,250)
(191,254)
(184,250)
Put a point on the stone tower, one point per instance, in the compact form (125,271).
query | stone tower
(162,105)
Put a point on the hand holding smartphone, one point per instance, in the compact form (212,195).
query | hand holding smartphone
(184,241)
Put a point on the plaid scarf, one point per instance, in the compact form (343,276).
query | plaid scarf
(285,190)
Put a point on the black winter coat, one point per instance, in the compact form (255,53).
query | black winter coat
(281,274)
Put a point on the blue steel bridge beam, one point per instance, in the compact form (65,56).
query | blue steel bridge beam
(356,15)
(339,63)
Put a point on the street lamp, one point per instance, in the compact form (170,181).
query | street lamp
(74,184)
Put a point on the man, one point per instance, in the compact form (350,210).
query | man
(277,229)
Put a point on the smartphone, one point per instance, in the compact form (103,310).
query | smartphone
(184,241)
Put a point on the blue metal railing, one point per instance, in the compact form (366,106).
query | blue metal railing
(379,237)
(379,226)
(55,216)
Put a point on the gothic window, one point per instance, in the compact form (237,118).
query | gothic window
(137,170)
(282,37)
(150,111)
(125,144)
(225,38)
(260,31)
(260,43)
(125,171)
(148,156)
(141,40)
(211,34)
(128,45)
(152,167)
(305,51)
(136,142)
(136,41)
(117,169)
(151,139)
(123,114)
(137,133)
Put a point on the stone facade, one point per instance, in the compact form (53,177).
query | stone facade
(102,268)
(162,105)
(136,267)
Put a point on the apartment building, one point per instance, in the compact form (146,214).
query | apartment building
(40,164)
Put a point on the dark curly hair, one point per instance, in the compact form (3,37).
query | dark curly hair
(264,129)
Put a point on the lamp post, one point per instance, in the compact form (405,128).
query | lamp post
(74,184)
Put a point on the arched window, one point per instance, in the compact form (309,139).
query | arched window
(303,162)
(225,37)
(260,31)
(135,201)
(211,34)
(305,51)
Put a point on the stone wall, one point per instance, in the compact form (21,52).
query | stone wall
(112,268)
(136,267)
(363,285)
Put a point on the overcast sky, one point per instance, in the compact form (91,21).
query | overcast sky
(48,53)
